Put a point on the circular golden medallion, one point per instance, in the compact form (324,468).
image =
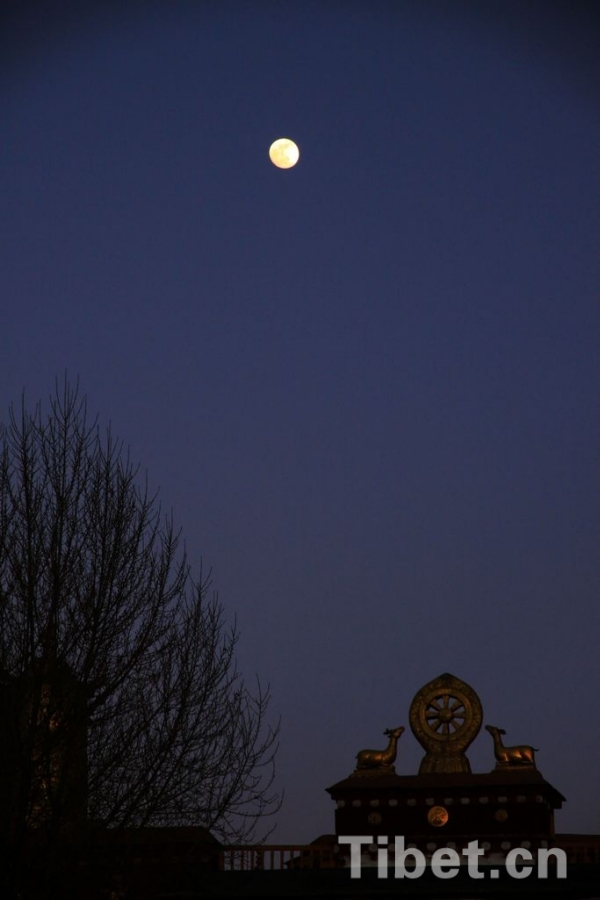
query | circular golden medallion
(437,816)
(374,818)
(501,815)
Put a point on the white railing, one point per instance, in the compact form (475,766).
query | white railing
(276,857)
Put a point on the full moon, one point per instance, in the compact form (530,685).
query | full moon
(284,153)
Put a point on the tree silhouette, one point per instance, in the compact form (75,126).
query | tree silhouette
(120,695)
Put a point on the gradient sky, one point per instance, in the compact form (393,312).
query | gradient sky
(368,387)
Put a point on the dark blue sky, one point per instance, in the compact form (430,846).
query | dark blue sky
(367,386)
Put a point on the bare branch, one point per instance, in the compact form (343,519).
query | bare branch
(118,661)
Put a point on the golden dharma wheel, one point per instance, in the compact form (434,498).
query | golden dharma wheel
(445,717)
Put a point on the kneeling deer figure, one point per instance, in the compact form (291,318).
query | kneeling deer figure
(380,759)
(521,755)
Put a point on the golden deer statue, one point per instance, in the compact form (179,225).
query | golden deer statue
(380,759)
(522,755)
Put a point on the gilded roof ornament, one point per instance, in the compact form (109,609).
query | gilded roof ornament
(445,717)
(380,760)
(518,757)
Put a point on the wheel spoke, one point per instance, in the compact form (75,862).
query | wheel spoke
(446,714)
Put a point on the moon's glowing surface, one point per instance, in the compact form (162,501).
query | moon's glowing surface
(284,153)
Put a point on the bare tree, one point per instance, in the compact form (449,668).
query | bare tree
(120,694)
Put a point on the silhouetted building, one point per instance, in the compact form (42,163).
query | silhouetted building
(446,805)
(43,753)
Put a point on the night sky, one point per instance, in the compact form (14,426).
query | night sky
(368,386)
